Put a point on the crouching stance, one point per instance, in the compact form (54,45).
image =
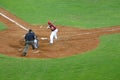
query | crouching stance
(36,42)
(54,31)
(29,40)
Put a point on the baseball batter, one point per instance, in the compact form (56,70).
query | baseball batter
(54,31)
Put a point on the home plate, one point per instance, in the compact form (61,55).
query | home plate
(43,38)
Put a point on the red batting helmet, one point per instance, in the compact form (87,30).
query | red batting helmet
(49,22)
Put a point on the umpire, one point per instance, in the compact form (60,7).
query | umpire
(29,40)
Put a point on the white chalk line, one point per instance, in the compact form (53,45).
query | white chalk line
(14,21)
(61,36)
(87,33)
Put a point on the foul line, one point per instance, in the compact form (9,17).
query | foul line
(61,36)
(87,33)
(14,21)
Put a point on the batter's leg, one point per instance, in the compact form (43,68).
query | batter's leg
(51,37)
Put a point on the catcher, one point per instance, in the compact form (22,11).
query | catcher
(36,42)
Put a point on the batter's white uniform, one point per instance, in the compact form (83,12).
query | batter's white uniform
(53,34)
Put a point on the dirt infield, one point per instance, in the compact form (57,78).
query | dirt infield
(71,41)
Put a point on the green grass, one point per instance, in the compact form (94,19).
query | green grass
(99,64)
(77,13)
(2,27)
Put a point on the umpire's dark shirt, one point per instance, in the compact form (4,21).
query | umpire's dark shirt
(30,36)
